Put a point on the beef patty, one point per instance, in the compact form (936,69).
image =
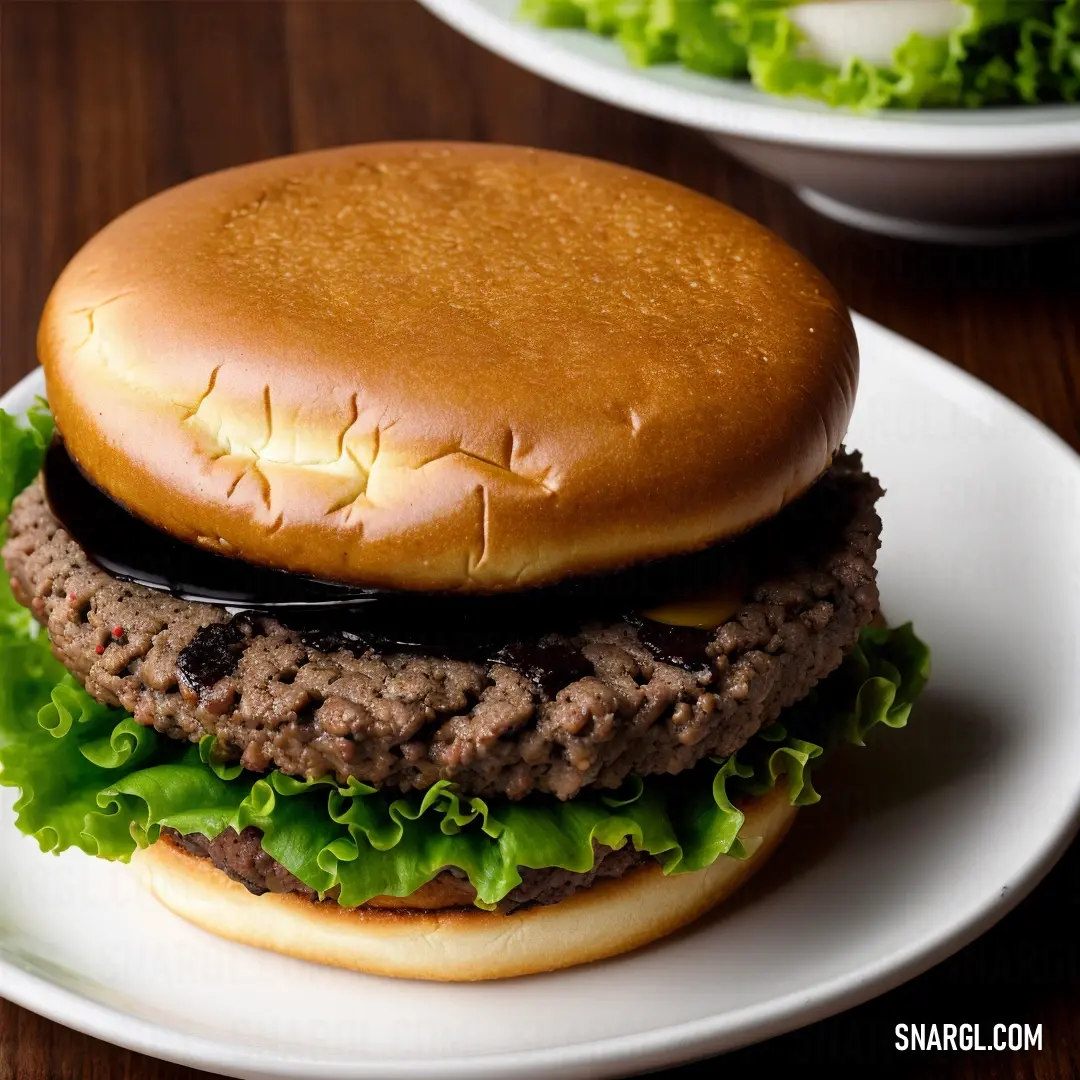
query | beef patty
(242,858)
(276,698)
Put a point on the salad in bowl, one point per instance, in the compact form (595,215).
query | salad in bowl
(862,54)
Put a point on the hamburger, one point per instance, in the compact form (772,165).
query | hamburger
(446,562)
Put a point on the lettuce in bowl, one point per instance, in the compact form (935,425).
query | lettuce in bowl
(1003,52)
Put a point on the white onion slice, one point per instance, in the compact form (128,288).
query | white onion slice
(871,29)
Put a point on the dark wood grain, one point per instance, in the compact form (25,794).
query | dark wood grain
(106,103)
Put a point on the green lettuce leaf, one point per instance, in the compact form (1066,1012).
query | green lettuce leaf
(90,777)
(22,448)
(1005,51)
(703,35)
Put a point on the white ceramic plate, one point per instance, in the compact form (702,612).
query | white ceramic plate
(953,175)
(922,840)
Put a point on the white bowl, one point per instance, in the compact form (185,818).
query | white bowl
(959,176)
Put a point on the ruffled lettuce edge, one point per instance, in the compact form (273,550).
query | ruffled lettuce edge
(90,777)
(1004,52)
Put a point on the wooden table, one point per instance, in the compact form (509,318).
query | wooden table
(106,103)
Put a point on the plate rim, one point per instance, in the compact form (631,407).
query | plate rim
(1054,131)
(619,1054)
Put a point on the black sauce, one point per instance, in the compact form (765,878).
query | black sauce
(550,665)
(212,653)
(332,615)
(335,639)
(683,646)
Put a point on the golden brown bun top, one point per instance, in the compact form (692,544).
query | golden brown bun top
(446,366)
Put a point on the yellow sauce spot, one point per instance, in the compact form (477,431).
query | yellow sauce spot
(706,613)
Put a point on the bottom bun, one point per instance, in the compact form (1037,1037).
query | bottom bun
(463,944)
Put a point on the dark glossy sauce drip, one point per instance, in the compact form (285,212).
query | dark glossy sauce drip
(212,653)
(549,665)
(332,615)
(683,646)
